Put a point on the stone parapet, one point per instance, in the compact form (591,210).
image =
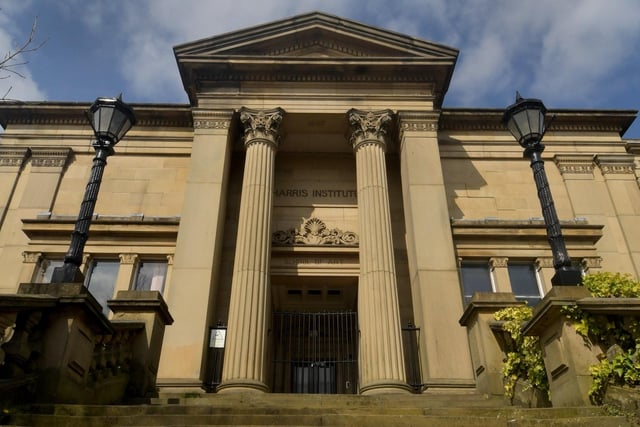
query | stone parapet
(567,356)
(487,354)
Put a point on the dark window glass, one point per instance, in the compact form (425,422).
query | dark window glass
(101,281)
(150,276)
(45,270)
(475,278)
(524,282)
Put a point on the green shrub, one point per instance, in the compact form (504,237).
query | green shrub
(524,357)
(618,335)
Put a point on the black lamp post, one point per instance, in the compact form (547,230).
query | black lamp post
(110,119)
(525,120)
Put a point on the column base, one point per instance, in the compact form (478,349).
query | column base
(385,387)
(240,386)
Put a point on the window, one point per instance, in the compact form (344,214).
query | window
(45,270)
(476,277)
(101,281)
(524,282)
(150,276)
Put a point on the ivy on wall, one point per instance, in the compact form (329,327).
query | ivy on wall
(523,357)
(617,335)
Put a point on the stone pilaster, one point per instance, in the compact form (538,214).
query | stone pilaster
(47,166)
(194,274)
(381,350)
(244,369)
(30,261)
(544,267)
(435,282)
(618,171)
(128,264)
(11,162)
(500,274)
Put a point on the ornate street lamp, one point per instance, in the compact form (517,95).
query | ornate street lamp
(525,120)
(110,119)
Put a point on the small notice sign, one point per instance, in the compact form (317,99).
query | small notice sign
(217,338)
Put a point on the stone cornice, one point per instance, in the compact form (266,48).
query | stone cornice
(50,157)
(574,163)
(72,114)
(486,231)
(13,156)
(616,164)
(131,230)
(468,119)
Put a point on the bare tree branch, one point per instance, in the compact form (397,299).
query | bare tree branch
(14,59)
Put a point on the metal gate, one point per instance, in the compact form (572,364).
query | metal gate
(315,352)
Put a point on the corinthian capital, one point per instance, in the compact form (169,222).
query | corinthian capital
(261,125)
(369,126)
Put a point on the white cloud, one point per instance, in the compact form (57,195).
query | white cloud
(567,52)
(16,82)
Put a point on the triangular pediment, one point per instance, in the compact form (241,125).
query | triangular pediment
(315,35)
(314,47)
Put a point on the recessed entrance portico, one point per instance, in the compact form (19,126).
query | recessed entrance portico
(314,335)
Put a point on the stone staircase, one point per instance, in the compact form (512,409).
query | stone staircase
(437,410)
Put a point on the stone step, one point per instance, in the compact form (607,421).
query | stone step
(337,420)
(436,410)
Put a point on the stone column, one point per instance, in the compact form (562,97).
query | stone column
(381,351)
(244,364)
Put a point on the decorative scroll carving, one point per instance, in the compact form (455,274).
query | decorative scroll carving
(128,258)
(591,262)
(411,121)
(546,262)
(369,126)
(261,125)
(50,157)
(314,232)
(612,164)
(574,164)
(13,156)
(31,257)
(206,119)
(211,124)
(498,262)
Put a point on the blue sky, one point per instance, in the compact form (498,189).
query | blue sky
(571,53)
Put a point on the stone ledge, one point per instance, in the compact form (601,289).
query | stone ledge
(141,302)
(549,309)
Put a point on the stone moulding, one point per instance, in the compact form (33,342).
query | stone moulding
(314,232)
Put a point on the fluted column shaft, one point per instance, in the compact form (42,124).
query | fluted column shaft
(381,351)
(245,352)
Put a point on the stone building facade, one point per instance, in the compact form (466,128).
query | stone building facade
(314,218)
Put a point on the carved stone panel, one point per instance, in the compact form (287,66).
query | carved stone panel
(314,232)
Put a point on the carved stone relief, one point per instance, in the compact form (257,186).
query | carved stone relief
(314,231)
